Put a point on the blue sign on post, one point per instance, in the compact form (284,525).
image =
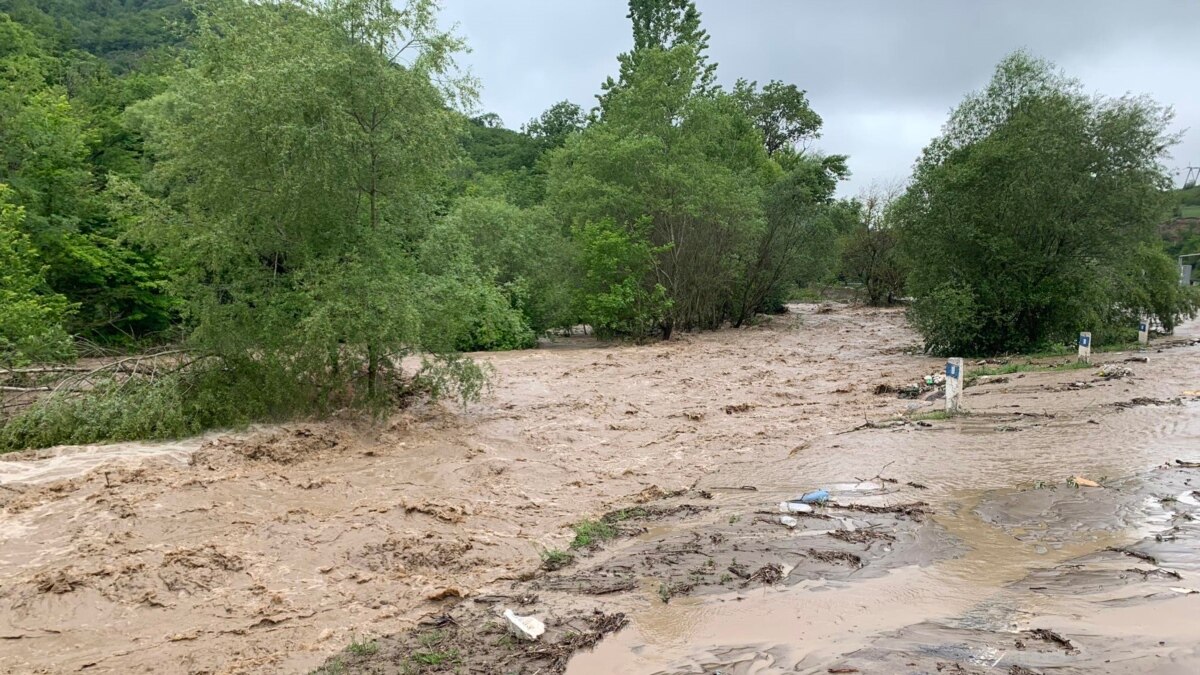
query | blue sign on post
(951,371)
(1085,341)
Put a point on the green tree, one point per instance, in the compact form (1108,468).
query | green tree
(690,164)
(58,140)
(558,123)
(303,152)
(521,253)
(31,316)
(870,253)
(1018,210)
(780,111)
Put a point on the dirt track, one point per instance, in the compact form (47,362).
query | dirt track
(270,551)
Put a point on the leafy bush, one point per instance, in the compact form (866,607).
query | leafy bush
(614,297)
(946,317)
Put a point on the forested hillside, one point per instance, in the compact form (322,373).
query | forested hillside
(291,197)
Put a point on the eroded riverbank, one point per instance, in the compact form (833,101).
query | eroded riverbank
(270,552)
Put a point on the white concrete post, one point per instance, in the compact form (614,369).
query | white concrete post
(1085,347)
(954,383)
(1144,331)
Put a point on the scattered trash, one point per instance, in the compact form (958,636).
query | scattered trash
(1138,359)
(1080,481)
(1187,465)
(789,521)
(1185,591)
(794,506)
(526,627)
(814,497)
(1113,371)
(1194,393)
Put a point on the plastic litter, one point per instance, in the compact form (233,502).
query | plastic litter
(789,521)
(794,506)
(814,497)
(1080,481)
(526,627)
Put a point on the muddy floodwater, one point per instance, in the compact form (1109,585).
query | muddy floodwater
(974,544)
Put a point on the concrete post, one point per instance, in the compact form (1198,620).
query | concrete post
(1144,331)
(1085,347)
(954,384)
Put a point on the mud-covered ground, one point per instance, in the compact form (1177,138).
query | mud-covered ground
(953,544)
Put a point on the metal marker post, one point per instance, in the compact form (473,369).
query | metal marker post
(1085,347)
(954,384)
(1144,331)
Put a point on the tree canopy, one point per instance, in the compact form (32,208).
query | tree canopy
(1025,217)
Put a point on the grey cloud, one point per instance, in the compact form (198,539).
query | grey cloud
(883,75)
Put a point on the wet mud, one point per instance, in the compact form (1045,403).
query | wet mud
(397,547)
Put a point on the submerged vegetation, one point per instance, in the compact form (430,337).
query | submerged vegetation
(298,197)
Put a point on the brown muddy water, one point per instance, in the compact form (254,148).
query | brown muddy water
(272,550)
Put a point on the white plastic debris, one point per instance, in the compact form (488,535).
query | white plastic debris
(794,507)
(1185,591)
(526,627)
(789,521)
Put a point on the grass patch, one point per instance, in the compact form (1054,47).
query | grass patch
(591,532)
(334,667)
(364,648)
(973,375)
(554,559)
(437,658)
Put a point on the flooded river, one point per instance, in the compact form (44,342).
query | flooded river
(272,550)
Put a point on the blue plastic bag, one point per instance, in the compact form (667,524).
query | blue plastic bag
(815,497)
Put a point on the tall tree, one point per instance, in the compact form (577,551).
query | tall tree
(304,152)
(1019,212)
(664,25)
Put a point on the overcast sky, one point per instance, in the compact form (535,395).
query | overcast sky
(882,74)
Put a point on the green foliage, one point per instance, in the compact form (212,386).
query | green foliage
(522,251)
(302,154)
(205,396)
(1016,214)
(614,298)
(554,559)
(794,246)
(31,316)
(362,647)
(59,140)
(120,32)
(558,123)
(870,253)
(677,174)
(781,113)
(591,532)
